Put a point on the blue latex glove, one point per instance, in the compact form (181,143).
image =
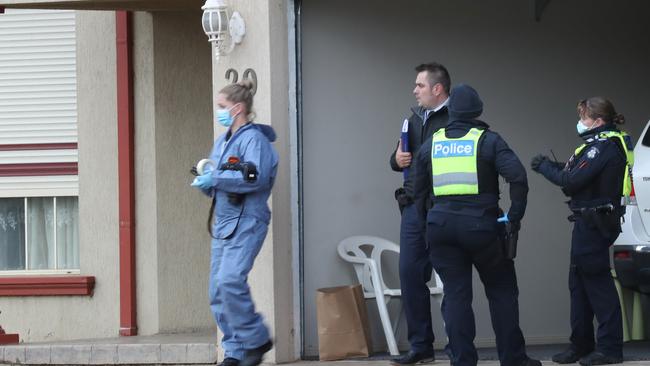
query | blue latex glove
(503,218)
(203,181)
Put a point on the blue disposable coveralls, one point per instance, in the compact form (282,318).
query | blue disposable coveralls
(239,231)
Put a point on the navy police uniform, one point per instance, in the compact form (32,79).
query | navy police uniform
(593,178)
(462,229)
(414,265)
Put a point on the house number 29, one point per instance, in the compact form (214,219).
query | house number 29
(233,76)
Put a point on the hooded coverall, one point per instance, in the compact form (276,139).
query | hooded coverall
(239,230)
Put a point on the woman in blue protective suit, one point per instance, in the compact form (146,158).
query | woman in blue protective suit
(241,182)
(595,178)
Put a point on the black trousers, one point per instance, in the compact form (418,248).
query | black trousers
(593,293)
(458,242)
(415,271)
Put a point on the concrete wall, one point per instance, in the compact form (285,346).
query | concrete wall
(57,318)
(265,49)
(173,128)
(146,183)
(358,60)
(183,129)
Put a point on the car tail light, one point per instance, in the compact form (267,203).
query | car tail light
(625,254)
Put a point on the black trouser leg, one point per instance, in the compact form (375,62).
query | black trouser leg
(598,285)
(454,266)
(500,283)
(582,315)
(415,271)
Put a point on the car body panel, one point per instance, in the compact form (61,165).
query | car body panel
(631,251)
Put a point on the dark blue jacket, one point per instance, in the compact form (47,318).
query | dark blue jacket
(594,176)
(495,159)
(419,131)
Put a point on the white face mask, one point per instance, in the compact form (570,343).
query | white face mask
(582,128)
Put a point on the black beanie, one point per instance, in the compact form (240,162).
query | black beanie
(464,103)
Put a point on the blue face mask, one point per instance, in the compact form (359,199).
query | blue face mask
(581,128)
(223,117)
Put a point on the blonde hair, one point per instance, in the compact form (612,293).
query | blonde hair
(240,92)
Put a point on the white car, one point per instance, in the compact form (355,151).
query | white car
(631,251)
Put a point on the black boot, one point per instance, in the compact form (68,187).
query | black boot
(568,356)
(413,357)
(229,361)
(597,358)
(530,362)
(253,357)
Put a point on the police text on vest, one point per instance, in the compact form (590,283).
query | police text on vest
(448,149)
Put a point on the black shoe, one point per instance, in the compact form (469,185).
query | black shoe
(530,362)
(229,361)
(412,357)
(253,357)
(568,356)
(597,358)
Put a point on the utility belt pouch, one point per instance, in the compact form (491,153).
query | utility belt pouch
(402,198)
(511,239)
(606,222)
(508,235)
(605,218)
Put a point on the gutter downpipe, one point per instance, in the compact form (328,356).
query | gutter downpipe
(126,184)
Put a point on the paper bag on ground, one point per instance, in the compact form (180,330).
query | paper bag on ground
(343,329)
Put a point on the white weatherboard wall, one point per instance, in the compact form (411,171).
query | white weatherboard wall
(38,96)
(56,318)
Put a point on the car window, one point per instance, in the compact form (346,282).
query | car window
(646,138)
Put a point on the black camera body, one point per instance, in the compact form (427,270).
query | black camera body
(248,170)
(249,173)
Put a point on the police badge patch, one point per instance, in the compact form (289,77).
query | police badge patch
(592,152)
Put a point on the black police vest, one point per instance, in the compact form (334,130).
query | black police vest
(606,186)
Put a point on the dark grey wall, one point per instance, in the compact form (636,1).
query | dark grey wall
(358,59)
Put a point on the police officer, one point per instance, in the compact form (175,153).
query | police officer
(595,178)
(432,93)
(458,169)
(240,186)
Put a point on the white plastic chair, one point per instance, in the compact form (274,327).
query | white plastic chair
(369,273)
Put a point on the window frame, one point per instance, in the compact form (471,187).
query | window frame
(47,285)
(47,165)
(49,271)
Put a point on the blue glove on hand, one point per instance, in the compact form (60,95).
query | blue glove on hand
(203,181)
(503,218)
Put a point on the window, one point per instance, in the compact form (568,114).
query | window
(39,214)
(646,139)
(39,234)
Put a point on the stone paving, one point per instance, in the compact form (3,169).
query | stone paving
(151,350)
(437,363)
(201,349)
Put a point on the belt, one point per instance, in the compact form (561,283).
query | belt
(606,208)
(457,207)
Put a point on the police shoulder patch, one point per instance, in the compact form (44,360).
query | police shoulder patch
(592,152)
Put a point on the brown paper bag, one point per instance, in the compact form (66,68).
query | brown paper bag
(343,329)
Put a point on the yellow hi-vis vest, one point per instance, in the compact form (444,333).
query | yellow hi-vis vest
(454,163)
(629,157)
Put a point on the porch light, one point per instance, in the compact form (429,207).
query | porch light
(222,29)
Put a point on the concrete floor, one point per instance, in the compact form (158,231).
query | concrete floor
(169,349)
(201,349)
(440,362)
